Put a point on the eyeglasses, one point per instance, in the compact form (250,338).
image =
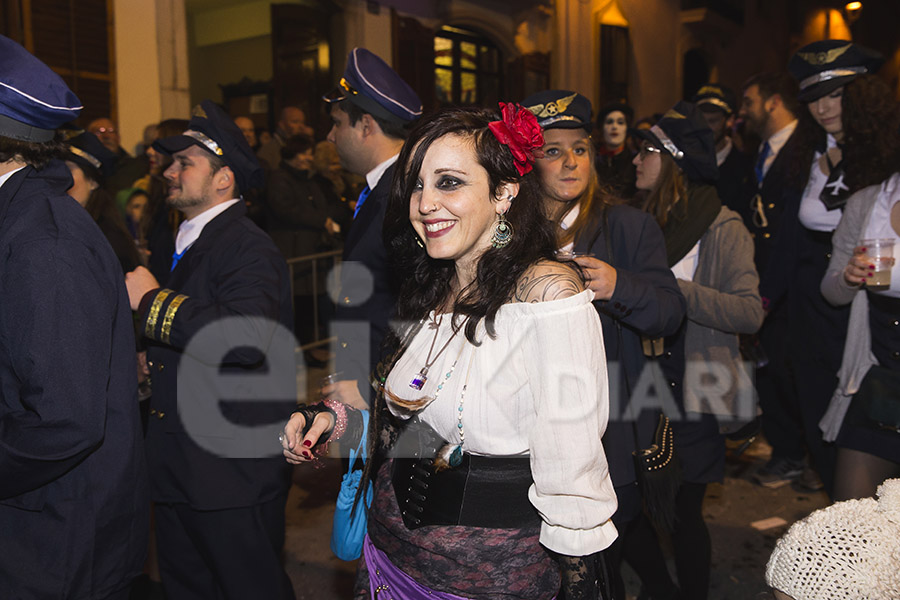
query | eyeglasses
(646,150)
(105,130)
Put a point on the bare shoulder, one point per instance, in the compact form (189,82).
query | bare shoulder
(548,280)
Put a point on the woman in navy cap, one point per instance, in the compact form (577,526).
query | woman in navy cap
(711,253)
(849,140)
(89,161)
(622,254)
(500,370)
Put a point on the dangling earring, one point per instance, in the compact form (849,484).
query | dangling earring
(503,232)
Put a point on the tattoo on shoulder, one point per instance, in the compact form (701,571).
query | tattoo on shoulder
(543,288)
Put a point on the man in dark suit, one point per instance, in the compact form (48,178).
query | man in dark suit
(769,107)
(220,350)
(371,111)
(73,491)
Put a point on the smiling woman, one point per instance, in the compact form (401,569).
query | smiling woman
(494,399)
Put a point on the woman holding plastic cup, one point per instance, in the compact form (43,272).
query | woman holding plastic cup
(845,142)
(863,418)
(624,263)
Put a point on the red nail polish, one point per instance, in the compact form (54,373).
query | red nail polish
(862,249)
(307,443)
(872,267)
(871,274)
(306,454)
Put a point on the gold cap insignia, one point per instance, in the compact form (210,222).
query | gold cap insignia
(823,58)
(710,89)
(199,112)
(673,114)
(551,109)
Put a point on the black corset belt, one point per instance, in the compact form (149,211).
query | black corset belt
(482,491)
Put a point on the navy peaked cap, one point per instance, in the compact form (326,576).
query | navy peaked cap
(824,66)
(685,135)
(34,101)
(719,96)
(560,109)
(375,87)
(213,130)
(86,150)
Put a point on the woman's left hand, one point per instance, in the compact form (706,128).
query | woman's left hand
(298,448)
(600,276)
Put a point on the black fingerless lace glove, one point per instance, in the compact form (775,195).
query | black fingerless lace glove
(584,577)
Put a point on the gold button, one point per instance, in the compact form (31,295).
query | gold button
(160,414)
(771,206)
(152,411)
(767,235)
(161,366)
(343,344)
(150,362)
(346,299)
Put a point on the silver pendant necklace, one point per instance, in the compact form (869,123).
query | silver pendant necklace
(418,382)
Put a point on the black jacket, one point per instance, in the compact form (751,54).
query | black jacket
(737,183)
(647,301)
(368,295)
(73,492)
(222,354)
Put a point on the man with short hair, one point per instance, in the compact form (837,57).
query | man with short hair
(245,124)
(291,122)
(216,333)
(74,512)
(769,107)
(371,112)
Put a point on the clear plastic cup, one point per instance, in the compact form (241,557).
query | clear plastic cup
(881,253)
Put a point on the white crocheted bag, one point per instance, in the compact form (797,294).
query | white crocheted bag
(847,551)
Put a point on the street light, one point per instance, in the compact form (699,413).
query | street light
(852,10)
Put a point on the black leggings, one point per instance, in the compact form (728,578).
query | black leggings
(690,541)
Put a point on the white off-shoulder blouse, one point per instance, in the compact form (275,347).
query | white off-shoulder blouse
(539,389)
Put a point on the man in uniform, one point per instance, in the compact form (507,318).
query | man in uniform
(219,333)
(768,107)
(736,184)
(73,492)
(371,112)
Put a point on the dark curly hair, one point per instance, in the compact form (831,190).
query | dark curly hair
(870,119)
(427,282)
(34,154)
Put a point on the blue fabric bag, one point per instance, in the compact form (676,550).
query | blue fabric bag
(350,523)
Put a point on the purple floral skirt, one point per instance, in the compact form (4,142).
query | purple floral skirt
(475,563)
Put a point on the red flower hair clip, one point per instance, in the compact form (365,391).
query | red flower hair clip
(520,132)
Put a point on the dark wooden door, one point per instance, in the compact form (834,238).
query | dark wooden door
(300,55)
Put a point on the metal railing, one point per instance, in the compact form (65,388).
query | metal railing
(326,260)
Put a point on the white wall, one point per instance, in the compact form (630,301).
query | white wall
(137,69)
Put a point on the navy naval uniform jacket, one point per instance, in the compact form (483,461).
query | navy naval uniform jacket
(646,302)
(367,302)
(232,270)
(73,492)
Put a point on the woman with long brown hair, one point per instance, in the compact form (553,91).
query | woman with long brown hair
(711,253)
(622,256)
(848,141)
(491,476)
